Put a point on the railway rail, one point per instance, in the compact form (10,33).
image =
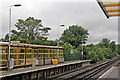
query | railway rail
(78,70)
(85,73)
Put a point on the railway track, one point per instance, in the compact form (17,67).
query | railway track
(85,73)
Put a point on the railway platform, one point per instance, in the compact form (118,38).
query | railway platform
(38,72)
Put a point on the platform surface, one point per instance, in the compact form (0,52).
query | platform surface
(36,68)
(112,73)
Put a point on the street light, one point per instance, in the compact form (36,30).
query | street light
(58,32)
(16,5)
(82,48)
(71,52)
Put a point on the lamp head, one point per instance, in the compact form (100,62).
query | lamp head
(62,25)
(17,5)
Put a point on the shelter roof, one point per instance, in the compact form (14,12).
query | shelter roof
(111,8)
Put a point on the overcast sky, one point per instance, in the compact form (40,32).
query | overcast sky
(86,13)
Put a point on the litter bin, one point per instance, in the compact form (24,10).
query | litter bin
(11,63)
(35,62)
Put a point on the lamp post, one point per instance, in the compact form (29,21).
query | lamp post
(58,32)
(82,48)
(71,52)
(16,5)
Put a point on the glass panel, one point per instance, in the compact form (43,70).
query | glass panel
(21,56)
(3,63)
(36,51)
(54,50)
(58,51)
(55,55)
(51,55)
(15,62)
(21,50)
(51,50)
(4,56)
(45,51)
(12,50)
(13,56)
(45,55)
(58,55)
(28,55)
(40,55)
(0,63)
(61,51)
(0,50)
(28,61)
(29,51)
(3,50)
(20,61)
(36,55)
(40,51)
(61,55)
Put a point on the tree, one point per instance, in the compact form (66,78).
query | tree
(104,43)
(67,49)
(29,30)
(113,46)
(75,35)
(118,49)
(105,49)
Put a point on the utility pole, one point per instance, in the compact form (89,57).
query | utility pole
(16,5)
(58,33)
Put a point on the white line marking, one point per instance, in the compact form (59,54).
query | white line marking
(107,72)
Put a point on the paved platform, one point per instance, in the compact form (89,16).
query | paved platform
(36,68)
(112,73)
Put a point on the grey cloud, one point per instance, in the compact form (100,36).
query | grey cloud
(87,14)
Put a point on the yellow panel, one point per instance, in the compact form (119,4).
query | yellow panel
(21,59)
(112,5)
(19,65)
(3,59)
(3,67)
(111,15)
(21,53)
(28,58)
(113,10)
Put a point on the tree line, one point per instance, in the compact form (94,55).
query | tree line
(32,31)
